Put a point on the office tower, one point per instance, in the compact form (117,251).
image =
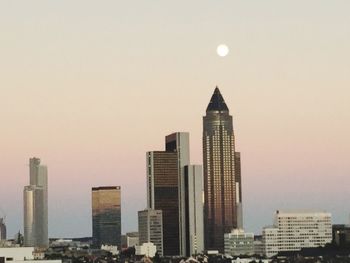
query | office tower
(294,230)
(179,142)
(106,216)
(151,228)
(194,209)
(35,202)
(222,179)
(163,194)
(166,191)
(2,229)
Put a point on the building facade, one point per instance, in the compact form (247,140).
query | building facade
(106,216)
(293,231)
(23,255)
(163,194)
(194,234)
(2,229)
(179,143)
(222,174)
(239,243)
(35,202)
(151,228)
(146,249)
(167,190)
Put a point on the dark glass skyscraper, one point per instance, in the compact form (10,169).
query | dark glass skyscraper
(163,194)
(222,178)
(106,216)
(176,188)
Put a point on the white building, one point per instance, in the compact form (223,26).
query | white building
(112,249)
(132,239)
(270,241)
(239,243)
(146,249)
(194,205)
(22,255)
(293,231)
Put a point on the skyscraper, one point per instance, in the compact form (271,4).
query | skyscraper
(179,142)
(222,178)
(151,228)
(163,194)
(167,190)
(2,229)
(106,216)
(35,202)
(194,234)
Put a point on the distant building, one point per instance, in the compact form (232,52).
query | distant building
(146,249)
(35,199)
(112,249)
(194,190)
(168,190)
(106,216)
(22,255)
(341,235)
(132,239)
(239,243)
(222,174)
(293,231)
(258,246)
(151,228)
(2,229)
(270,241)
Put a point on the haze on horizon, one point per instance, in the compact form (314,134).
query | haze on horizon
(90,87)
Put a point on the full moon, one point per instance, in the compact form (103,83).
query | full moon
(222,50)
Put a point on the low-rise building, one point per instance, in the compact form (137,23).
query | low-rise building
(151,228)
(23,255)
(258,246)
(146,249)
(239,243)
(295,230)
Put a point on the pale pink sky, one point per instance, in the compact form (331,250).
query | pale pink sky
(90,87)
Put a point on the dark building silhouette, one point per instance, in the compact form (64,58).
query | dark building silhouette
(106,216)
(2,229)
(341,235)
(222,174)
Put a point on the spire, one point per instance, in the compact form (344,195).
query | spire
(217,102)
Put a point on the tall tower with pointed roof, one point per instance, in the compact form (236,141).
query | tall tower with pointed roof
(222,174)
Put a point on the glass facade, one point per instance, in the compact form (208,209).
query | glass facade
(165,196)
(106,216)
(222,179)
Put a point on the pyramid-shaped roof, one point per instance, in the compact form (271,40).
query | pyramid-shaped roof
(217,102)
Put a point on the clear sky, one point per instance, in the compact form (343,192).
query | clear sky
(90,86)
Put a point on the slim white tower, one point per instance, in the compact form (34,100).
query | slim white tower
(194,192)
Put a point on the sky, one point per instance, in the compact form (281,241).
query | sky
(91,86)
